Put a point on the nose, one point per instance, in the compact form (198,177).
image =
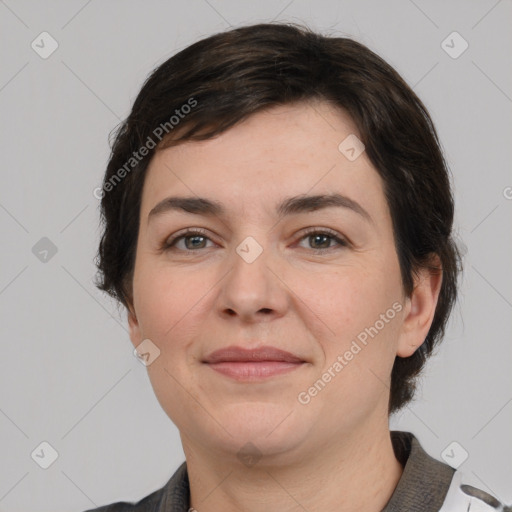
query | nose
(253,289)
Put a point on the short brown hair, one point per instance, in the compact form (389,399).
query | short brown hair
(234,74)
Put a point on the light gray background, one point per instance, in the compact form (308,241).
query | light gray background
(67,372)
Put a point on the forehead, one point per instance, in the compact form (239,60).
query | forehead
(280,152)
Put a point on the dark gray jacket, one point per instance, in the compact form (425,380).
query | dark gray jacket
(426,485)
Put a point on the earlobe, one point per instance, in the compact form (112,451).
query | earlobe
(133,324)
(420,309)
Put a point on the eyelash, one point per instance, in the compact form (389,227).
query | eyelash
(168,245)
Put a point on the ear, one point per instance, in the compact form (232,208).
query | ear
(133,323)
(420,308)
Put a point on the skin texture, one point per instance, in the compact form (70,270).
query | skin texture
(321,455)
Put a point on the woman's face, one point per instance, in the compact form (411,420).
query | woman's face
(257,275)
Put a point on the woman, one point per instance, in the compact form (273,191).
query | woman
(277,222)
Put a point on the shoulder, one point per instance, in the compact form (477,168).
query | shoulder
(147,504)
(428,485)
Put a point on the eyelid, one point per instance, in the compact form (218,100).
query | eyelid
(341,241)
(183,233)
(319,229)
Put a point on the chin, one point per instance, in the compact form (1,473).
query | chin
(269,430)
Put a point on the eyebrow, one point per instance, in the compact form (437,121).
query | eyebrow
(290,206)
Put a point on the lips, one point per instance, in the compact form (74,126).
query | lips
(251,365)
(240,355)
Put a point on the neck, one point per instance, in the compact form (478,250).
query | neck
(358,473)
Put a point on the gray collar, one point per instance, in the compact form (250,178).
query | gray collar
(422,487)
(424,482)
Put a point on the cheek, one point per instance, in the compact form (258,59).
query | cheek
(363,311)
(356,316)
(346,301)
(166,301)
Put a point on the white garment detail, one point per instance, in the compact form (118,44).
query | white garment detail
(459,501)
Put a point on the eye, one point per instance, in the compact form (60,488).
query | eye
(193,238)
(321,239)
